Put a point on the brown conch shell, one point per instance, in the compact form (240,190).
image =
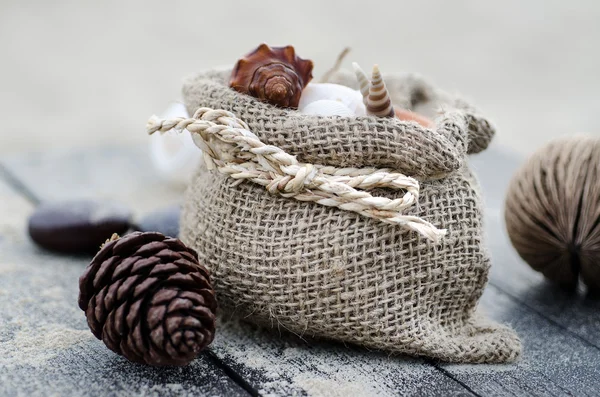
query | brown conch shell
(272,74)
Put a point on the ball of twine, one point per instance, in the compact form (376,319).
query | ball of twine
(552,211)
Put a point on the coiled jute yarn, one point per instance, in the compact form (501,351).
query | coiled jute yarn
(553,211)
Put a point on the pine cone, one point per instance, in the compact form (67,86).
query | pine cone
(147,298)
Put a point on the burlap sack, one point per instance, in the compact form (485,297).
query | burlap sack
(326,272)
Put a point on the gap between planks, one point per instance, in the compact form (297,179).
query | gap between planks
(233,374)
(19,186)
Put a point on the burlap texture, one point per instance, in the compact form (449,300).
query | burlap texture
(331,273)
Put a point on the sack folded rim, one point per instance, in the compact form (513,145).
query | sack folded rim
(362,141)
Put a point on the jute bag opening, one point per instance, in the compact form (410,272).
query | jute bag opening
(360,229)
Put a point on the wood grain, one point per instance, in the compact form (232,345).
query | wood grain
(278,363)
(554,362)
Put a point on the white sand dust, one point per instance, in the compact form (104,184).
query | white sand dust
(36,345)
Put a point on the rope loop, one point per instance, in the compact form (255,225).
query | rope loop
(231,148)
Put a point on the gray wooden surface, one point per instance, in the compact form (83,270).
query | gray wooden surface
(45,346)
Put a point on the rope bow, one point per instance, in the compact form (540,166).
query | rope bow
(231,148)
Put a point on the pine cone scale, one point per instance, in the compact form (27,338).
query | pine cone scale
(144,265)
(204,313)
(188,266)
(92,322)
(123,268)
(167,255)
(163,296)
(156,314)
(120,325)
(146,286)
(126,285)
(190,257)
(132,318)
(209,300)
(179,304)
(162,270)
(103,274)
(103,255)
(150,249)
(135,343)
(196,299)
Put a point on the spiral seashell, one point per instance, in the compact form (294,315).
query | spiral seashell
(327,107)
(352,99)
(379,102)
(272,74)
(363,81)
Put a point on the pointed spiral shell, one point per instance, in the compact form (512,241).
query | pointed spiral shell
(363,82)
(379,102)
(272,74)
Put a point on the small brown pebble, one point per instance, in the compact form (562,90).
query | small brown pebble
(77,226)
(148,299)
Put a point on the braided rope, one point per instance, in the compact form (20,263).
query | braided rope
(231,148)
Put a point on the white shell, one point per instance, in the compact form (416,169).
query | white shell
(352,99)
(327,107)
(174,155)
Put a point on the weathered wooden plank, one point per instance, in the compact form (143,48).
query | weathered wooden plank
(494,168)
(13,209)
(279,363)
(271,363)
(46,347)
(554,363)
(575,311)
(119,173)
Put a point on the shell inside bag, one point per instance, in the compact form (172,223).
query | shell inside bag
(327,107)
(352,99)
(275,75)
(407,115)
(174,155)
(379,102)
(363,82)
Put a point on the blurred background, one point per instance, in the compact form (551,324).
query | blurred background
(77,73)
